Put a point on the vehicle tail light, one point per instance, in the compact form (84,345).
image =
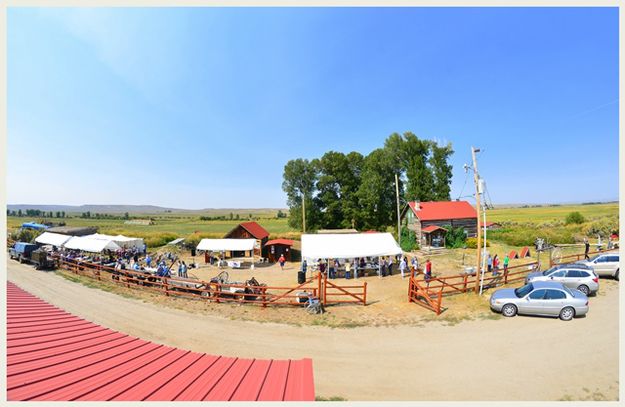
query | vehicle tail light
(596,279)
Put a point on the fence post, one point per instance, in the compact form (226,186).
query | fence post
(325,288)
(505,276)
(364,298)
(440,298)
(164,282)
(319,284)
(464,287)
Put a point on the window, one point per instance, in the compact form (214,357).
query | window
(584,274)
(602,259)
(559,274)
(613,259)
(522,291)
(555,295)
(573,274)
(538,295)
(549,271)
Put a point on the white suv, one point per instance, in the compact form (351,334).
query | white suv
(605,265)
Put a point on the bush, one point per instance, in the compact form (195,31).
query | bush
(455,237)
(408,240)
(26,235)
(471,243)
(574,218)
(604,227)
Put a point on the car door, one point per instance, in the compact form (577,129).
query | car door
(600,265)
(559,276)
(554,301)
(534,303)
(612,264)
(572,279)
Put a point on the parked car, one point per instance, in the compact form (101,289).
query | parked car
(546,298)
(605,265)
(576,276)
(21,251)
(41,260)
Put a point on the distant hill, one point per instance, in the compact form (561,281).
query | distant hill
(140,209)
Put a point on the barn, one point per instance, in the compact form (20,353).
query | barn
(427,219)
(250,230)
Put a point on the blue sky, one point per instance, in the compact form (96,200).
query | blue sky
(199,108)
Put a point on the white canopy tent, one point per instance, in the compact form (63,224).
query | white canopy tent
(89,244)
(54,239)
(219,245)
(120,240)
(349,246)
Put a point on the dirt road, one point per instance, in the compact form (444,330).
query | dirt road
(522,358)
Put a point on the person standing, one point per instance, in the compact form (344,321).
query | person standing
(282,260)
(506,260)
(390,266)
(489,263)
(415,263)
(355,267)
(495,265)
(402,267)
(428,271)
(148,260)
(586,249)
(348,267)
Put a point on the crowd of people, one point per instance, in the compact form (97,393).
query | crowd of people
(356,267)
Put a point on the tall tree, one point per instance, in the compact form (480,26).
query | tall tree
(441,170)
(300,177)
(376,194)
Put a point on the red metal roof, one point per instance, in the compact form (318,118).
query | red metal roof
(431,228)
(286,242)
(446,210)
(254,228)
(54,355)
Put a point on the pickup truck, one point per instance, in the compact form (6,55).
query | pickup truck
(21,251)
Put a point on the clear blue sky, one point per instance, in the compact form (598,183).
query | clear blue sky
(198,108)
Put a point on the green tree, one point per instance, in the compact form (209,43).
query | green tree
(441,171)
(126,215)
(231,215)
(376,194)
(237,216)
(19,213)
(299,179)
(62,214)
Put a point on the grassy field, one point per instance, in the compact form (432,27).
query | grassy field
(545,214)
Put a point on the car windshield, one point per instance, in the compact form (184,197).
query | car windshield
(593,258)
(549,271)
(523,291)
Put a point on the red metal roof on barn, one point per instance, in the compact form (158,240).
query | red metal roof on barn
(431,228)
(54,355)
(446,210)
(286,242)
(255,229)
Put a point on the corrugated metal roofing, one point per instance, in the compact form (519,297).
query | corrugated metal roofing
(446,210)
(431,228)
(254,228)
(54,355)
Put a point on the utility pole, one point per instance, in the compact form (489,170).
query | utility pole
(476,179)
(398,222)
(303,213)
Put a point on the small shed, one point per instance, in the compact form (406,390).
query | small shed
(278,247)
(434,236)
(250,230)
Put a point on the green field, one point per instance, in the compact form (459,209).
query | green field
(545,214)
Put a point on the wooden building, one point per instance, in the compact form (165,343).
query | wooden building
(422,217)
(277,247)
(250,230)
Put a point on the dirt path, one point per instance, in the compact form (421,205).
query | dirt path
(522,358)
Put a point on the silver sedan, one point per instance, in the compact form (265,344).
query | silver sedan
(546,298)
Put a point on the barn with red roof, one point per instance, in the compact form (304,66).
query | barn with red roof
(250,230)
(427,219)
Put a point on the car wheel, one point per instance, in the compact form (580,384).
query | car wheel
(616,275)
(509,310)
(567,313)
(584,289)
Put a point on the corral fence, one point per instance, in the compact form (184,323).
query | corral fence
(430,292)
(317,286)
(577,257)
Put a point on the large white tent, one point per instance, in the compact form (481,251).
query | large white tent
(120,240)
(349,246)
(54,239)
(89,244)
(218,245)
